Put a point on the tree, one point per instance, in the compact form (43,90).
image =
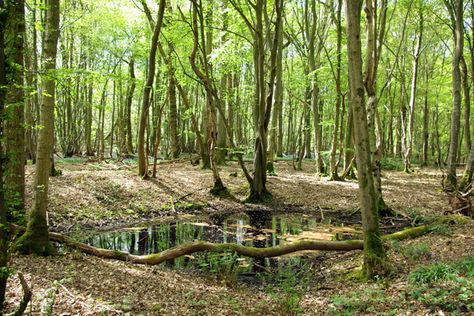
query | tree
(14,127)
(36,237)
(212,97)
(375,32)
(142,155)
(374,255)
(3,211)
(455,9)
(408,141)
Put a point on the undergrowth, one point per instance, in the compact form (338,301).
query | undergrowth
(447,287)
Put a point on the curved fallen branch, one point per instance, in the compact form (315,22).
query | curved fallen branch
(200,246)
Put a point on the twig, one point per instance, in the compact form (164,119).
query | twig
(26,296)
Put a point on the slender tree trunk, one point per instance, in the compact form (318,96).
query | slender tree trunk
(374,256)
(375,31)
(173,114)
(36,237)
(414,81)
(456,12)
(131,91)
(278,104)
(142,158)
(467,105)
(426,121)
(333,166)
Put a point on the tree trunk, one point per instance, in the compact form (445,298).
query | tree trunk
(467,105)
(173,114)
(36,237)
(278,104)
(3,211)
(333,166)
(426,121)
(258,191)
(414,81)
(142,157)
(456,13)
(14,125)
(374,255)
(131,91)
(375,31)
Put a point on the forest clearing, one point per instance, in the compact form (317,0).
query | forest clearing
(236,157)
(82,197)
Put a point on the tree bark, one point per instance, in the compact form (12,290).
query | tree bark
(3,210)
(142,157)
(36,237)
(456,13)
(375,31)
(413,91)
(374,255)
(15,109)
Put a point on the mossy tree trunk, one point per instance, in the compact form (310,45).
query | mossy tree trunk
(374,255)
(36,237)
(3,211)
(375,31)
(14,125)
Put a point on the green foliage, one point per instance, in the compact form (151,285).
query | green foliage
(288,284)
(365,301)
(446,286)
(413,252)
(392,164)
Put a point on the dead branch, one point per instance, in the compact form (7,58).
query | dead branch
(26,296)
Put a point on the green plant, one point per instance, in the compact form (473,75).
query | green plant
(417,251)
(446,286)
(288,284)
(392,164)
(359,302)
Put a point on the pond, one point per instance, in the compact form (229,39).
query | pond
(259,229)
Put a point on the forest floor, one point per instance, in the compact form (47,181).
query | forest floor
(102,196)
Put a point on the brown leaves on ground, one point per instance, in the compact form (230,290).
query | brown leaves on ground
(95,195)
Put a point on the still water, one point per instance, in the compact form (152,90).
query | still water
(259,229)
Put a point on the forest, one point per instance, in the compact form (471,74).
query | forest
(236,157)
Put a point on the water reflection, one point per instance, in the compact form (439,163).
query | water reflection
(259,229)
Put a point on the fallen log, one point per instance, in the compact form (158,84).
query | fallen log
(200,246)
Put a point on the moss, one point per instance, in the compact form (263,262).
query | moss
(255,197)
(219,190)
(375,260)
(271,169)
(31,243)
(36,238)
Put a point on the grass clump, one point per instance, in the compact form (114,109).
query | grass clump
(287,285)
(370,300)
